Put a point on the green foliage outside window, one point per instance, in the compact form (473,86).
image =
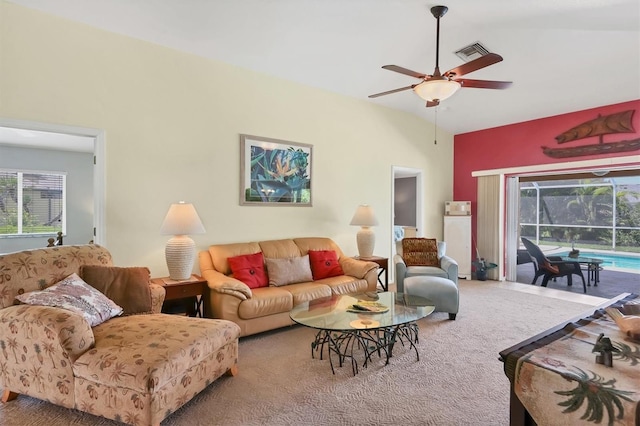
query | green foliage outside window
(584,213)
(40,201)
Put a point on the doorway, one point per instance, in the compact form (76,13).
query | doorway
(70,139)
(406,204)
(569,230)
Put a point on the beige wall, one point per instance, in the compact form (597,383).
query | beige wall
(172,123)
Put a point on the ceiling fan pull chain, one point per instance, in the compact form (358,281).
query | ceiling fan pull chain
(435,129)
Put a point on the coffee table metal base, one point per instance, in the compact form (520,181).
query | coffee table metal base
(364,343)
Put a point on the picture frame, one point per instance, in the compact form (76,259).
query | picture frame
(275,172)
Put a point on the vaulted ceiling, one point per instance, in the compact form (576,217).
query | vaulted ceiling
(562,56)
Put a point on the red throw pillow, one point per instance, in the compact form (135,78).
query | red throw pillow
(324,264)
(249,269)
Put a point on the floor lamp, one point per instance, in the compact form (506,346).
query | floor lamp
(181,221)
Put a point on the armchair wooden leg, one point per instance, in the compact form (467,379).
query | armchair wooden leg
(7,395)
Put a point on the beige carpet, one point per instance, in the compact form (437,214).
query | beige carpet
(458,380)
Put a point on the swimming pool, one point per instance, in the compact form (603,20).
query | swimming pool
(613,260)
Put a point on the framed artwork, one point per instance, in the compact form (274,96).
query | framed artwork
(274,172)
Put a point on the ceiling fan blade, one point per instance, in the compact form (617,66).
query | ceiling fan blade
(433,103)
(404,71)
(476,64)
(388,92)
(484,84)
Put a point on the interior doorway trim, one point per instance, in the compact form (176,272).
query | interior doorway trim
(401,172)
(99,175)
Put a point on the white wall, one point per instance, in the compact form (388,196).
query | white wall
(172,122)
(79,168)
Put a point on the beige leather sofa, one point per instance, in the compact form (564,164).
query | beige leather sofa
(136,369)
(266,308)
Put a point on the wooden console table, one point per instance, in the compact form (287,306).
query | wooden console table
(554,377)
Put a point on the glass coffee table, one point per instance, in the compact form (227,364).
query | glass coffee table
(349,333)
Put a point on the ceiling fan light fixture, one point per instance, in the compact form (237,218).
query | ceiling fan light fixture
(440,90)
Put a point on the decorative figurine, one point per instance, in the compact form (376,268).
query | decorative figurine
(574,253)
(628,324)
(606,349)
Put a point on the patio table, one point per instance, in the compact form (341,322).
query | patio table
(593,267)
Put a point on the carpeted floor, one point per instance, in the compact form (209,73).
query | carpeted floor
(458,380)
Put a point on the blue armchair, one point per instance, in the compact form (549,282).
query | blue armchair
(448,267)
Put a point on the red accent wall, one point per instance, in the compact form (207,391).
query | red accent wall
(520,145)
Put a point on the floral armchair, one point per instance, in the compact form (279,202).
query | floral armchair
(135,368)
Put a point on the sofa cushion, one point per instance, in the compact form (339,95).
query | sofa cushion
(266,301)
(249,268)
(420,252)
(305,292)
(75,295)
(289,270)
(220,254)
(324,264)
(279,249)
(413,271)
(345,284)
(127,287)
(306,244)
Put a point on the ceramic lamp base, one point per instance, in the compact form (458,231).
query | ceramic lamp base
(180,253)
(366,240)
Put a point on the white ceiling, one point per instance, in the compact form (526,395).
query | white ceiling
(562,55)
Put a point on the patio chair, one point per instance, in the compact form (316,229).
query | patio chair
(552,266)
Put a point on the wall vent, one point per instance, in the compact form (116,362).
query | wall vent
(472,51)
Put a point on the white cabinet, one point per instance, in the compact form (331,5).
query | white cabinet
(457,235)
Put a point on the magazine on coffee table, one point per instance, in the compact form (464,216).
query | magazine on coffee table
(368,307)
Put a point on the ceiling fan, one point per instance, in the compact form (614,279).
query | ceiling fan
(437,87)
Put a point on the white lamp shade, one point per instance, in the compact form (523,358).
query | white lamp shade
(182,219)
(366,238)
(180,251)
(364,216)
(440,90)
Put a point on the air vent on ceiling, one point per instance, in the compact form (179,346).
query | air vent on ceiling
(472,51)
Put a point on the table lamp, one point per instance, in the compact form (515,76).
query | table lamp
(365,238)
(180,252)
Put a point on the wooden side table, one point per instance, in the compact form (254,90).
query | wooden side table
(186,294)
(383,263)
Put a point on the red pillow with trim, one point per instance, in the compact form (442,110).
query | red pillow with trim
(249,269)
(324,264)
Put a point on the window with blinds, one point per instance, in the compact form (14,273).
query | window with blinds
(32,202)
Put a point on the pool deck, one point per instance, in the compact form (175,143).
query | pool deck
(553,250)
(612,282)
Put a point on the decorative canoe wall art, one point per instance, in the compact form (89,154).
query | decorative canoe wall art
(620,122)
